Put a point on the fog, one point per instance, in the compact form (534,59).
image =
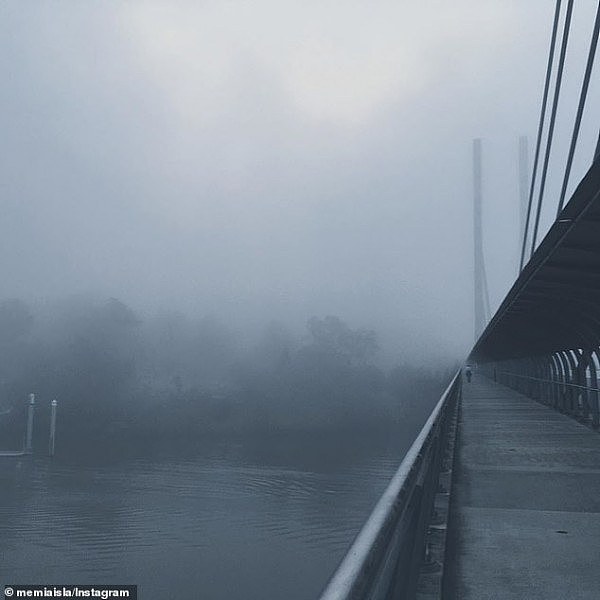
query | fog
(236,246)
(173,378)
(275,161)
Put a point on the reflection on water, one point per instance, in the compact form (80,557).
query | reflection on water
(230,522)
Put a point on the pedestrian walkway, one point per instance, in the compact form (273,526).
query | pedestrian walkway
(525,518)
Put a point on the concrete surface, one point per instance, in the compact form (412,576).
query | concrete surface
(525,508)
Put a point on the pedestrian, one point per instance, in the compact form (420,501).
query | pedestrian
(468,373)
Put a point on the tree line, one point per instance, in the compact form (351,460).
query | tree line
(120,377)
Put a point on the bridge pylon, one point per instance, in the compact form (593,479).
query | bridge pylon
(481,298)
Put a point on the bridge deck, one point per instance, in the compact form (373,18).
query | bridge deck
(526,501)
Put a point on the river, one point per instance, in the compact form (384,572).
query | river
(229,520)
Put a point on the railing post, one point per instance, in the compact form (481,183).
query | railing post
(554,369)
(594,393)
(573,392)
(562,375)
(566,380)
(584,362)
(544,378)
(551,377)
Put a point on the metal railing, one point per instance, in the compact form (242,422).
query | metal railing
(386,557)
(559,381)
(552,381)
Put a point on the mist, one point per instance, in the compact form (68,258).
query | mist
(272,162)
(236,245)
(171,379)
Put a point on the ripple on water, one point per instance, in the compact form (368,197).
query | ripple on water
(163,521)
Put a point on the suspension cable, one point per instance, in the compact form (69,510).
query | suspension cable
(582,98)
(561,65)
(540,127)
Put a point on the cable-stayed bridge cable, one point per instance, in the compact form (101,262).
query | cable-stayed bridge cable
(540,127)
(582,98)
(561,65)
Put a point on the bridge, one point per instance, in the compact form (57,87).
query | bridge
(499,496)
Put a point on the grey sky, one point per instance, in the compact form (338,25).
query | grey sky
(274,159)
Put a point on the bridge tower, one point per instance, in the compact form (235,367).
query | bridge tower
(523,190)
(481,295)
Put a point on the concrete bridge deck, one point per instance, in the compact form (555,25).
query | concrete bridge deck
(525,518)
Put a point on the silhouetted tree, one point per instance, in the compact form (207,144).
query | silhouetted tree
(16,320)
(334,337)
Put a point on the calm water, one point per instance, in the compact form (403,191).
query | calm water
(231,521)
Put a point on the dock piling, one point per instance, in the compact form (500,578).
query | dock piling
(29,432)
(53,404)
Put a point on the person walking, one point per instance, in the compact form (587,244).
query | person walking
(468,373)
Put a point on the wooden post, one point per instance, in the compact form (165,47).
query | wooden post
(29,432)
(52,428)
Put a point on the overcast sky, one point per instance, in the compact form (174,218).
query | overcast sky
(275,159)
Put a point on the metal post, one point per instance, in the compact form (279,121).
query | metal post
(575,358)
(571,366)
(582,369)
(29,432)
(564,376)
(555,367)
(52,428)
(548,386)
(594,394)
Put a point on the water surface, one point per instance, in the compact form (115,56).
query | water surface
(231,520)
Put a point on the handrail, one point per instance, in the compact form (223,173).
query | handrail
(394,534)
(557,381)
(551,381)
